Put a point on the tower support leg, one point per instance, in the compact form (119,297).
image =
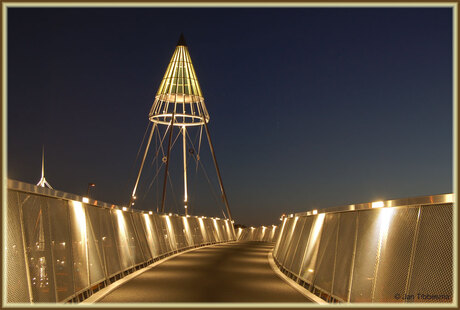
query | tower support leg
(184,134)
(167,163)
(224,196)
(133,195)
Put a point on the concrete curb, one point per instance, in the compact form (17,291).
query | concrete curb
(312,297)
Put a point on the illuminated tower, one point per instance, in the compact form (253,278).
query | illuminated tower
(43,182)
(179,102)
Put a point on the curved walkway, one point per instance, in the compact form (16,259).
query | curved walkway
(231,272)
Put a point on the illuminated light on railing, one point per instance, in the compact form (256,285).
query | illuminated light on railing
(80,218)
(315,212)
(310,270)
(124,208)
(216,227)
(252,227)
(170,214)
(291,215)
(385,217)
(168,223)
(85,200)
(150,212)
(187,231)
(378,204)
(134,197)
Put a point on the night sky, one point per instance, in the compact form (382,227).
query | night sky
(310,107)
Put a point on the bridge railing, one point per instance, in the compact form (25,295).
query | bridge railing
(393,251)
(62,247)
(261,233)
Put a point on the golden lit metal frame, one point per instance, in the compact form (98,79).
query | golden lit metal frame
(179,94)
(179,102)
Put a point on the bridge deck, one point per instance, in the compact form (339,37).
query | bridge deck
(233,272)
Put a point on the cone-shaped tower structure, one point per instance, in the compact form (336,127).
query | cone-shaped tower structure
(179,92)
(179,102)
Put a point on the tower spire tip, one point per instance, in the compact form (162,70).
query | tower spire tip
(181,40)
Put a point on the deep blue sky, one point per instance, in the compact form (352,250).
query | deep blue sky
(310,107)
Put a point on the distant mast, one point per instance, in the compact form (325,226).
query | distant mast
(43,182)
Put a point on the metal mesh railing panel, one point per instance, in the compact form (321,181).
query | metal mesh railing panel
(280,240)
(290,253)
(241,234)
(133,241)
(109,243)
(285,240)
(161,232)
(121,239)
(18,287)
(308,268)
(196,232)
(277,233)
(326,253)
(140,232)
(210,230)
(78,231)
(226,230)
(344,254)
(152,236)
(187,232)
(203,231)
(366,255)
(432,266)
(301,247)
(397,229)
(37,237)
(167,234)
(266,234)
(62,249)
(219,232)
(180,233)
(222,229)
(259,233)
(95,256)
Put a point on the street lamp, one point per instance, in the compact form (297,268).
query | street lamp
(89,186)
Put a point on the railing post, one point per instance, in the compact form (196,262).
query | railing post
(335,254)
(412,253)
(353,258)
(24,245)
